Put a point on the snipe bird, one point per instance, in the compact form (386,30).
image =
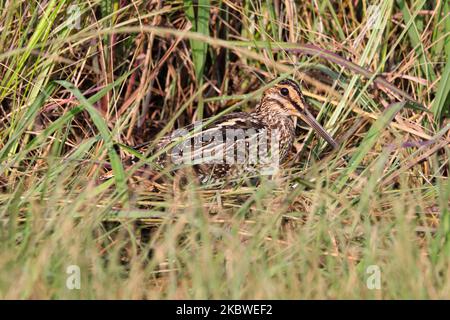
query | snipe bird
(231,146)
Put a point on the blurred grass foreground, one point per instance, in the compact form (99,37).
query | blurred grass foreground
(82,80)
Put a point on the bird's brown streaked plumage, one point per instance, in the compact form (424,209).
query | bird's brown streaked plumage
(279,106)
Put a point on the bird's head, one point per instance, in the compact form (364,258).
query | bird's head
(286,98)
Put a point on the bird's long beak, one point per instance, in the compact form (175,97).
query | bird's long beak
(306,116)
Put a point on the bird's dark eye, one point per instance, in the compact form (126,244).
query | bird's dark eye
(284,91)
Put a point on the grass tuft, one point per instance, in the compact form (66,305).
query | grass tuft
(80,88)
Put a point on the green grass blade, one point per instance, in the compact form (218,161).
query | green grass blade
(369,141)
(200,24)
(442,98)
(414,36)
(199,48)
(97,119)
(68,116)
(26,120)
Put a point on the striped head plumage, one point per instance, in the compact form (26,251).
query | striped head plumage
(285,99)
